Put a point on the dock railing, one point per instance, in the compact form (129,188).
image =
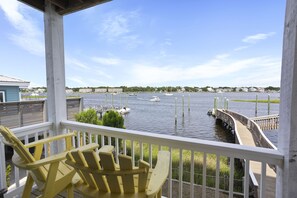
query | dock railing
(260,138)
(142,145)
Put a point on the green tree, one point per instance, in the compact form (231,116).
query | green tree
(113,119)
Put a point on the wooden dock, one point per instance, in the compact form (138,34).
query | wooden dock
(246,138)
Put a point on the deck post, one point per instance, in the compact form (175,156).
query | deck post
(55,70)
(287,135)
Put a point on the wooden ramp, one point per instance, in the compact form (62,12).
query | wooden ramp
(247,139)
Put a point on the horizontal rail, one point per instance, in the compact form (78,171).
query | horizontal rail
(221,148)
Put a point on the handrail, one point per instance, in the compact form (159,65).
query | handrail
(221,148)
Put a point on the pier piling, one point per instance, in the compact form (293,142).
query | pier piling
(175,111)
(256,106)
(183,105)
(268,104)
(189,102)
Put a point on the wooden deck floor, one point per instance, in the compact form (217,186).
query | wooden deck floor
(247,139)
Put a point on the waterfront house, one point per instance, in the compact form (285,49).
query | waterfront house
(115,90)
(85,90)
(100,90)
(10,88)
(284,158)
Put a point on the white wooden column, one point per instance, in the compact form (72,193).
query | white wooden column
(55,69)
(287,136)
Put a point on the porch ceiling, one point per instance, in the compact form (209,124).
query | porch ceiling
(64,7)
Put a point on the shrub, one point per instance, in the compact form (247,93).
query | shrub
(88,116)
(113,119)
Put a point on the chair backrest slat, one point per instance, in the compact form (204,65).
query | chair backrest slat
(128,181)
(108,164)
(92,160)
(80,160)
(143,177)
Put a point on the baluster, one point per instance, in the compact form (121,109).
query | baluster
(117,149)
(217,176)
(246,178)
(263,183)
(204,176)
(125,146)
(170,175)
(102,140)
(78,139)
(231,177)
(141,150)
(180,175)
(150,155)
(192,175)
(132,153)
(2,165)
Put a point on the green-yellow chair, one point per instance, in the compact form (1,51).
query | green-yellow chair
(103,178)
(50,174)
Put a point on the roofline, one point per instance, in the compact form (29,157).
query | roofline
(16,84)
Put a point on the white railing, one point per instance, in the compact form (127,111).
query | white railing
(143,145)
(137,144)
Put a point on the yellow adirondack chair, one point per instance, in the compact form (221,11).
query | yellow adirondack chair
(50,174)
(118,180)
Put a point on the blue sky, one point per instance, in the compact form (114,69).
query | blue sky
(152,43)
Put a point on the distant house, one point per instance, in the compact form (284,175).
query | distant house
(115,90)
(85,90)
(101,90)
(10,88)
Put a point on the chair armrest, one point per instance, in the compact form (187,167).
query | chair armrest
(58,157)
(159,174)
(48,139)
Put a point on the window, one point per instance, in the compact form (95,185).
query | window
(2,96)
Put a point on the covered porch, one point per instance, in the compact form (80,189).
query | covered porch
(142,144)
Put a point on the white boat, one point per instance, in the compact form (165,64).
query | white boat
(168,94)
(124,110)
(155,99)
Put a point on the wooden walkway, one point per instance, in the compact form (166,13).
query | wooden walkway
(247,139)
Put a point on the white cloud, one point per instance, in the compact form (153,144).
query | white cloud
(257,37)
(76,63)
(78,80)
(219,67)
(102,74)
(241,48)
(29,36)
(106,61)
(119,27)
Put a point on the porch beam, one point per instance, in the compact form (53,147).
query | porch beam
(287,135)
(55,70)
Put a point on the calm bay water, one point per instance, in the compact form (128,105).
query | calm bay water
(159,117)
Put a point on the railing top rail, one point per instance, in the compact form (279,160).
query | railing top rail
(227,149)
(22,102)
(264,117)
(26,130)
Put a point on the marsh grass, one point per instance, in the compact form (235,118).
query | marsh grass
(275,101)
